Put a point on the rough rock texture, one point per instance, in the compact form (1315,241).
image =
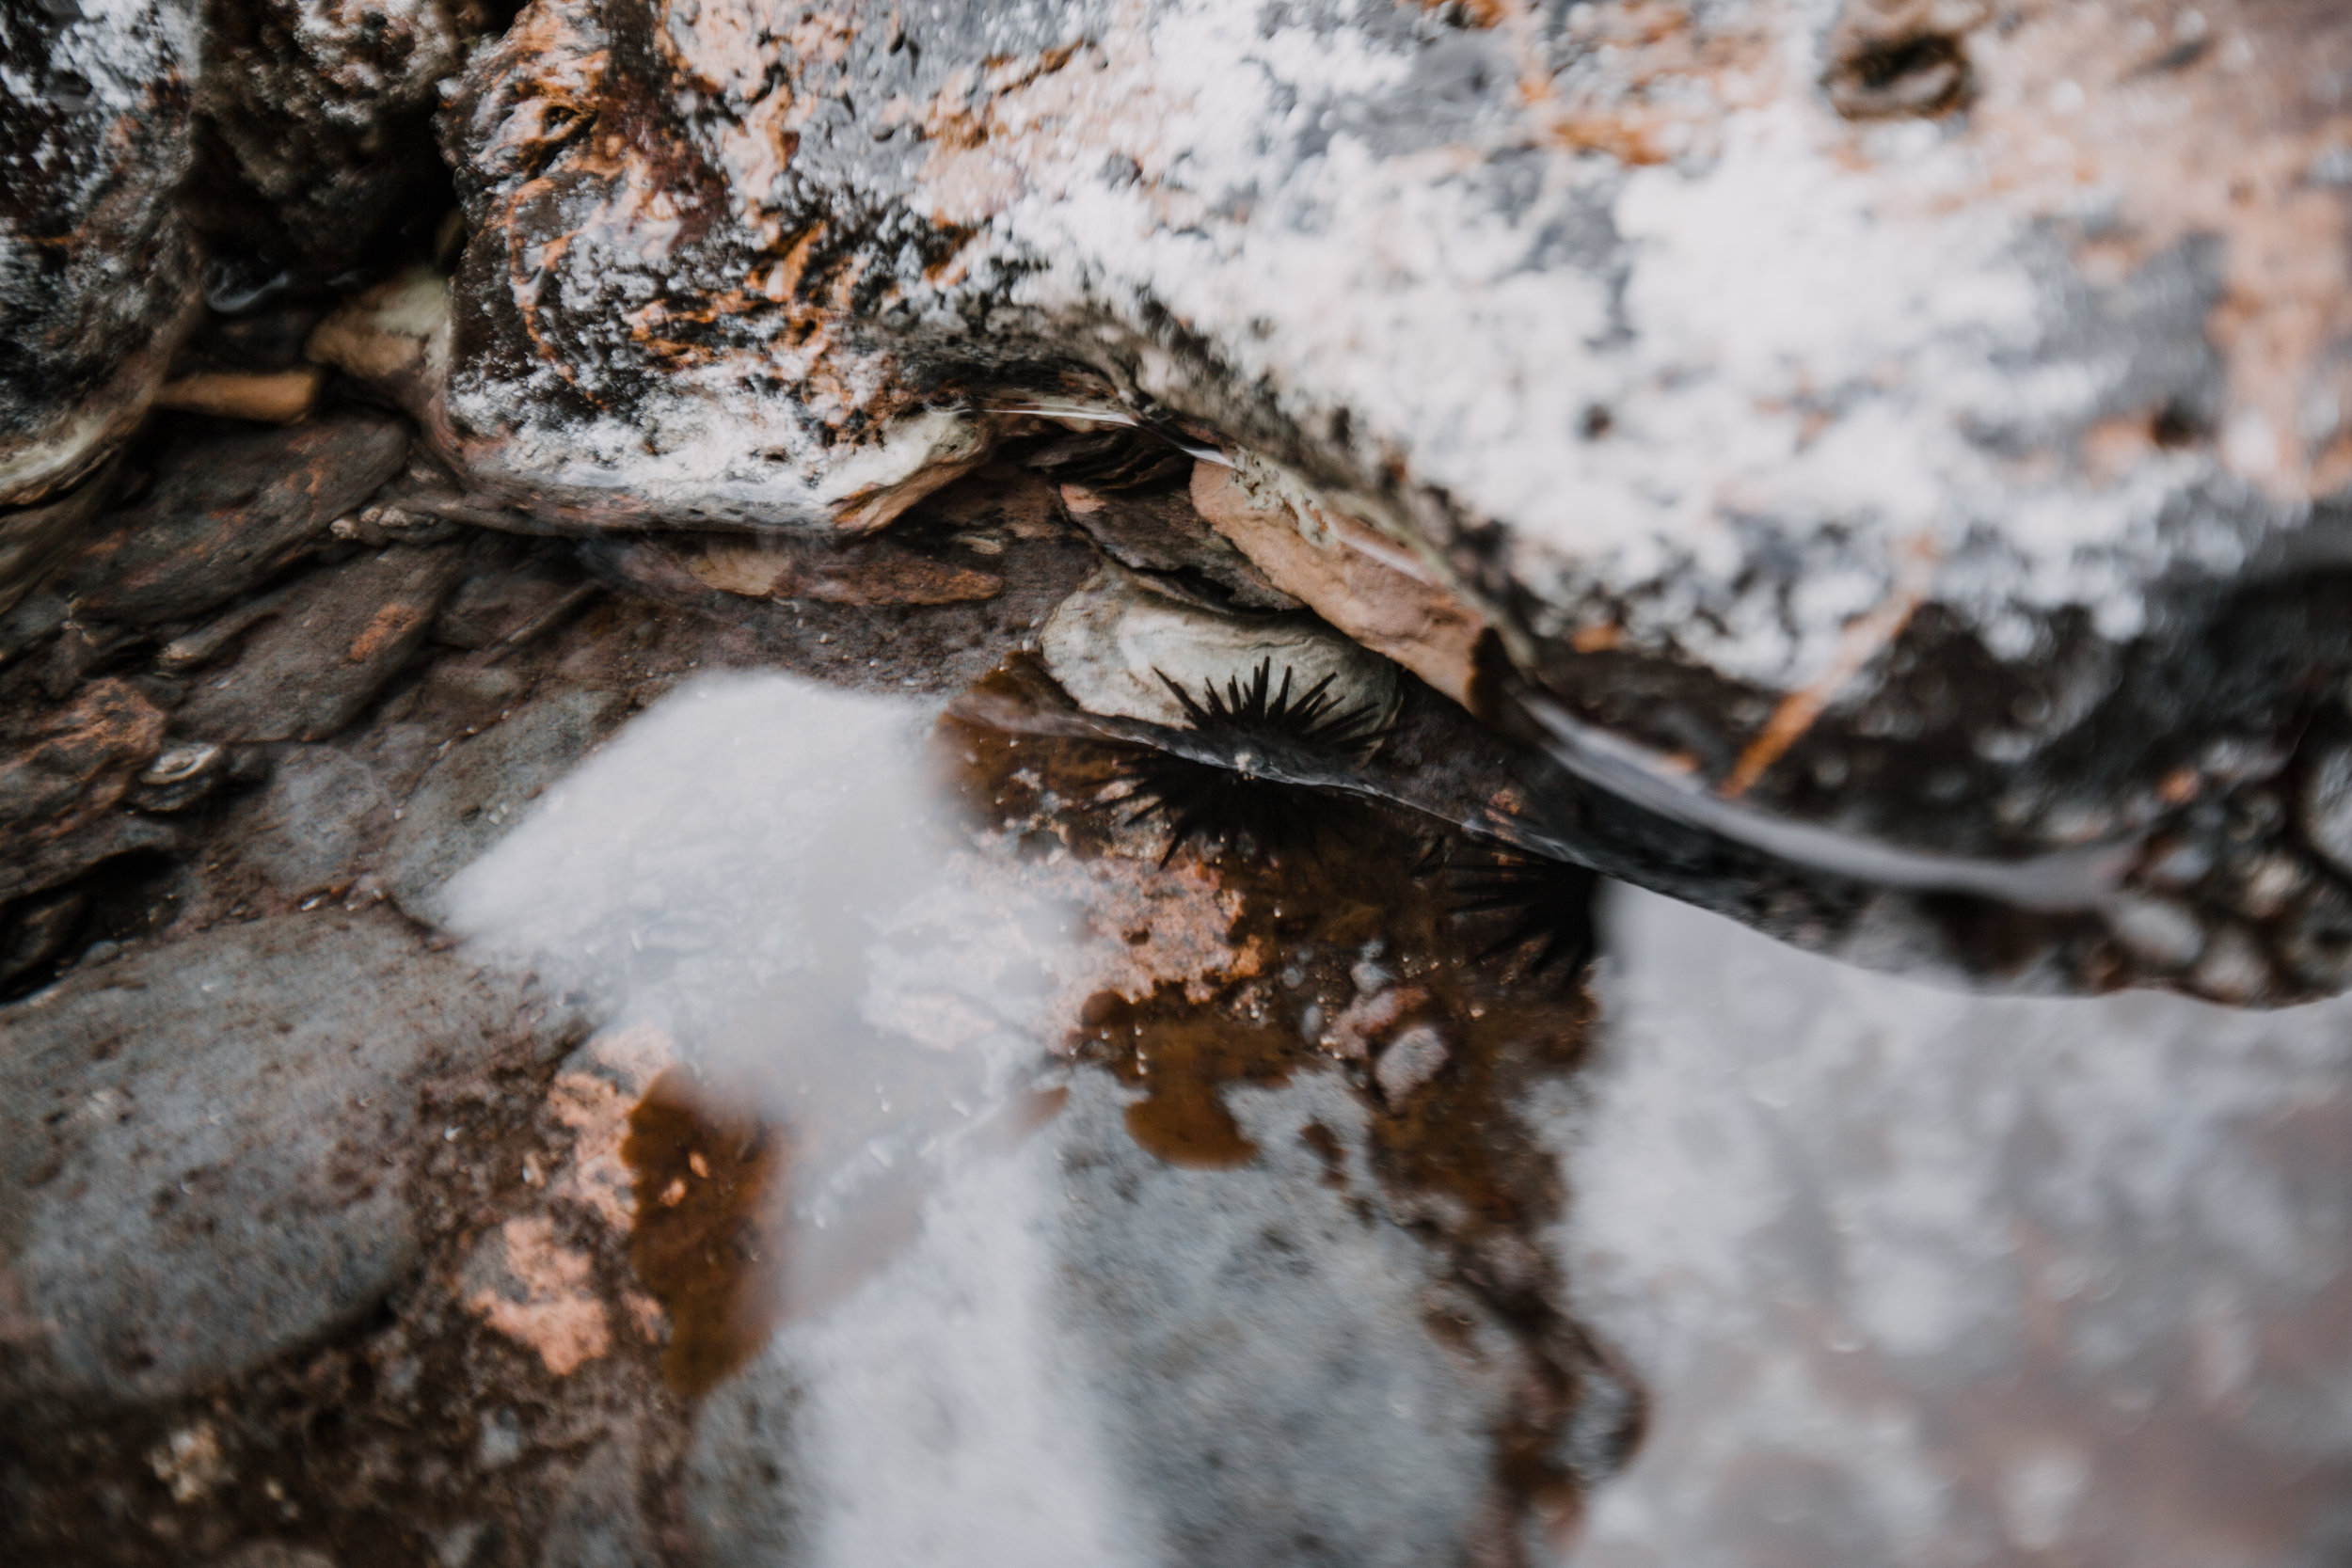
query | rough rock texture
(207,1143)
(226,512)
(334,641)
(96,273)
(313,136)
(1886,422)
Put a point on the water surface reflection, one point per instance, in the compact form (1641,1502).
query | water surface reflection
(1020,1187)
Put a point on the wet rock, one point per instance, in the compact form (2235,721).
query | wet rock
(333,642)
(482,788)
(208,1141)
(60,786)
(96,274)
(313,124)
(1117,643)
(313,825)
(35,538)
(1584,406)
(227,512)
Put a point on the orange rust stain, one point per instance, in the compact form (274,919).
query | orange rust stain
(559,1314)
(1183,1054)
(388,625)
(707,1243)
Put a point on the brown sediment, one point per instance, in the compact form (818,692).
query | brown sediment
(1313,920)
(709,1188)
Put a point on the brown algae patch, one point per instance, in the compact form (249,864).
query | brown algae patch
(710,1189)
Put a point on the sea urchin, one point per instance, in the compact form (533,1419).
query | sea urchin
(1237,806)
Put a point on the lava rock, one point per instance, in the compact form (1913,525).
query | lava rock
(206,1142)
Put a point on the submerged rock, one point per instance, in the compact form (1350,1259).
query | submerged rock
(207,1143)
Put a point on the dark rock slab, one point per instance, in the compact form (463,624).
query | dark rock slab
(204,1144)
(336,639)
(227,510)
(62,779)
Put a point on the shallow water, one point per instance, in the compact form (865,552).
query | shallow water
(1923,1277)
(917,1158)
(1909,1276)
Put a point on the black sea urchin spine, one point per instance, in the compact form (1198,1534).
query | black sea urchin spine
(1227,805)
